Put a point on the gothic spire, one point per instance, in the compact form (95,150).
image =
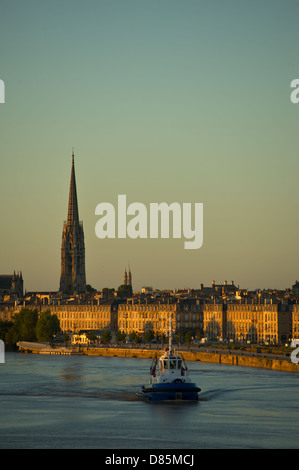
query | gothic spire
(125,277)
(72,274)
(73,213)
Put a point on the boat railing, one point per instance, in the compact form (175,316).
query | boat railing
(185,368)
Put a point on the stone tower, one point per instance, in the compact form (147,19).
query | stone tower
(72,276)
(127,278)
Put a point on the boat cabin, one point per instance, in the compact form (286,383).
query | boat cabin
(169,365)
(171,362)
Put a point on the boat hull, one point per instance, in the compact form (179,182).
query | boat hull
(169,391)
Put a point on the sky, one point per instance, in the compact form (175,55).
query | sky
(163,101)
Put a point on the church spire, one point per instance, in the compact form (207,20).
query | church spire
(73,213)
(72,275)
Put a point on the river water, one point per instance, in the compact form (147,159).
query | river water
(79,402)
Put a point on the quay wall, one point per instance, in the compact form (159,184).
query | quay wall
(230,359)
(190,356)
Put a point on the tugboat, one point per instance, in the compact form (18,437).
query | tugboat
(169,378)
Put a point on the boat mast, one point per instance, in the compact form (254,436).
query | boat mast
(170,335)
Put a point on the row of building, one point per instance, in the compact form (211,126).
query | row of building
(254,322)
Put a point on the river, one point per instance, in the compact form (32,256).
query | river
(80,402)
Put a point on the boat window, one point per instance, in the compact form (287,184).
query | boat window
(173,364)
(179,364)
(165,364)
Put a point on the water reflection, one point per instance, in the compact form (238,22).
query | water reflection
(45,400)
(172,413)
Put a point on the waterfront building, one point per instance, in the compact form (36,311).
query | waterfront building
(256,318)
(142,315)
(214,321)
(189,315)
(72,316)
(254,323)
(76,317)
(72,276)
(295,321)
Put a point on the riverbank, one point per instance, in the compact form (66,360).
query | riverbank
(235,358)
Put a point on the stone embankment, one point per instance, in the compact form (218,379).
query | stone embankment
(219,358)
(238,359)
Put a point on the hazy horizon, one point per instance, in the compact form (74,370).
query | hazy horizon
(164,101)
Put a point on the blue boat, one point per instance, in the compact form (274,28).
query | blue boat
(169,378)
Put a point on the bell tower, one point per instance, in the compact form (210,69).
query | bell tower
(72,276)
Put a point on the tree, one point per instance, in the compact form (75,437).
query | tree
(91,336)
(120,337)
(107,292)
(163,338)
(106,336)
(66,338)
(90,289)
(5,326)
(24,327)
(188,338)
(134,337)
(149,336)
(124,291)
(179,337)
(47,326)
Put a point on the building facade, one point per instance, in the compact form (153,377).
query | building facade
(254,323)
(295,321)
(78,317)
(214,321)
(72,275)
(143,315)
(258,323)
(140,317)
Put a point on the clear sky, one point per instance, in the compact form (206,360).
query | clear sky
(163,100)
